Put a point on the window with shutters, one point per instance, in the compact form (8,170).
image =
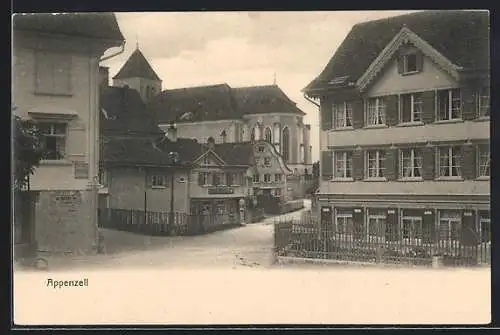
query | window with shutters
(484,102)
(267,178)
(256,178)
(342,162)
(484,160)
(158,180)
(375,111)
(484,229)
(449,162)
(375,164)
(449,105)
(449,225)
(53,73)
(410,163)
(343,220)
(53,140)
(342,115)
(411,108)
(278,177)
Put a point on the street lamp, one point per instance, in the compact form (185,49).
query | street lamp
(174,158)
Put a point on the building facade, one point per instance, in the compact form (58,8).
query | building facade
(405,128)
(55,82)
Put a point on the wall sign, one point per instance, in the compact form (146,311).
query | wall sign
(357,210)
(467,213)
(428,213)
(220,190)
(391,211)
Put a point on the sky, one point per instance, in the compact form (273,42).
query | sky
(240,48)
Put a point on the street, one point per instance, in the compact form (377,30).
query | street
(247,246)
(227,277)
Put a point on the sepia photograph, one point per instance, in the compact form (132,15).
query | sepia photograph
(251,168)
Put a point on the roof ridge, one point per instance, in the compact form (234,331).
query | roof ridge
(192,87)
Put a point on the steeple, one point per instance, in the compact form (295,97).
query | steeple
(138,74)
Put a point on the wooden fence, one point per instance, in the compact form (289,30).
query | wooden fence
(164,223)
(304,238)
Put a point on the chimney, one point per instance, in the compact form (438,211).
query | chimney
(172,132)
(103,76)
(211,143)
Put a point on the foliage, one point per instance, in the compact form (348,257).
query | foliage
(27,150)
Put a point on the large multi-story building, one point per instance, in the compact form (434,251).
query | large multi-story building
(405,110)
(55,82)
(226,114)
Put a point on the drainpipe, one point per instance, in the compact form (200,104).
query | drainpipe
(310,100)
(115,54)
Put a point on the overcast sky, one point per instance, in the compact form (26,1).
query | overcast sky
(241,48)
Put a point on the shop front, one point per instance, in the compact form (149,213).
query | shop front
(216,211)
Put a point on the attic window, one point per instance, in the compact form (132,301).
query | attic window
(410,63)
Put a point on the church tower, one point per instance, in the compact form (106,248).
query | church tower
(138,74)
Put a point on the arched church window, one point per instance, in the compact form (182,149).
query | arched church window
(285,145)
(268,135)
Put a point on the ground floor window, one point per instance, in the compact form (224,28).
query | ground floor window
(484,228)
(411,225)
(376,222)
(449,223)
(343,220)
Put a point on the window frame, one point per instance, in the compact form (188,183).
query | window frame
(450,166)
(449,230)
(346,113)
(256,178)
(347,157)
(480,105)
(267,161)
(346,226)
(479,228)
(377,217)
(278,177)
(53,134)
(480,166)
(417,233)
(413,96)
(413,157)
(450,100)
(155,177)
(269,179)
(380,166)
(380,110)
(405,63)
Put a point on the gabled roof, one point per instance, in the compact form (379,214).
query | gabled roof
(460,36)
(137,66)
(92,25)
(219,102)
(124,112)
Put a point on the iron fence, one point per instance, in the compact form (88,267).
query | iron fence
(305,238)
(164,223)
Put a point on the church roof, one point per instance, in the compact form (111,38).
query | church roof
(137,66)
(220,102)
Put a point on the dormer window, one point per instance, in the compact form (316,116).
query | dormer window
(410,63)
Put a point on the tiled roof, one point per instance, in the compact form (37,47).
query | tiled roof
(461,36)
(93,25)
(134,151)
(137,66)
(219,102)
(124,112)
(201,103)
(235,153)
